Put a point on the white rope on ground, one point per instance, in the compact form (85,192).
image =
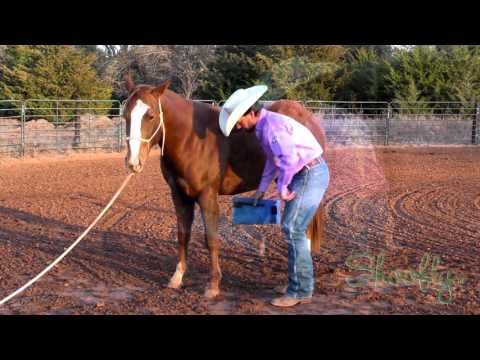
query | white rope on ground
(49,267)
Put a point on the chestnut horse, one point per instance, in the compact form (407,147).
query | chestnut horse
(199,163)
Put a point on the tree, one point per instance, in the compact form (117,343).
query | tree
(187,64)
(362,78)
(303,72)
(50,72)
(233,67)
(89,49)
(183,64)
(293,71)
(15,71)
(116,50)
(439,73)
(381,51)
(463,73)
(409,99)
(115,61)
(3,49)
(421,66)
(151,64)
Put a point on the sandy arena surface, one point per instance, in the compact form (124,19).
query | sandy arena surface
(404,203)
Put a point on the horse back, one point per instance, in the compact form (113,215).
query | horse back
(301,114)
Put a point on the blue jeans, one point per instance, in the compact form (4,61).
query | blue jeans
(310,186)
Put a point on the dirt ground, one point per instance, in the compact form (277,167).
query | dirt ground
(395,205)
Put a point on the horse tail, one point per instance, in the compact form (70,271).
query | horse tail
(316,231)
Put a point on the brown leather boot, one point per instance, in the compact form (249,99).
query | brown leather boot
(281,289)
(287,301)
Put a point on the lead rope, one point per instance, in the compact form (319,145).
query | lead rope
(57,260)
(164,132)
(105,209)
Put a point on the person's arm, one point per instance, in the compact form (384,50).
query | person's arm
(269,172)
(284,150)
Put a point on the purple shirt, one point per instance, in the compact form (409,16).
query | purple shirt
(288,145)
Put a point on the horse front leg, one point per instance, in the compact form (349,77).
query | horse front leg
(184,208)
(208,202)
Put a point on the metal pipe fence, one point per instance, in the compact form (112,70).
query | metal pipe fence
(11,129)
(353,122)
(419,123)
(33,125)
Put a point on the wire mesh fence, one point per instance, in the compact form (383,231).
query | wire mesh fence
(433,123)
(419,123)
(33,126)
(11,129)
(349,123)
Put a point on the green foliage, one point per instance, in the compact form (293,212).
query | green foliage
(291,71)
(235,66)
(363,77)
(50,72)
(421,66)
(304,72)
(435,73)
(406,75)
(383,52)
(463,66)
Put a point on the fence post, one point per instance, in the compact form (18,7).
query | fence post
(22,130)
(475,121)
(387,123)
(120,127)
(56,128)
(77,126)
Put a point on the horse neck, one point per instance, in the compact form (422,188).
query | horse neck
(171,103)
(175,108)
(177,116)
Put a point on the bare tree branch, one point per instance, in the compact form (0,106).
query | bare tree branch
(152,64)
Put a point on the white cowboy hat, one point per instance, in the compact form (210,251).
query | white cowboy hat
(237,104)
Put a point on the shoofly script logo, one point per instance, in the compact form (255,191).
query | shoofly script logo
(426,277)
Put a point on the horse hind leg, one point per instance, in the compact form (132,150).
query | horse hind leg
(176,281)
(260,242)
(184,208)
(261,247)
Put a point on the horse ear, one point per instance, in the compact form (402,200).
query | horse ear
(158,91)
(129,82)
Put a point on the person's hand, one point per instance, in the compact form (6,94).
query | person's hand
(288,195)
(258,196)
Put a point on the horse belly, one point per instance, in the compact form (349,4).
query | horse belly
(236,183)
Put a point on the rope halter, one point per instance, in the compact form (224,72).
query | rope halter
(161,125)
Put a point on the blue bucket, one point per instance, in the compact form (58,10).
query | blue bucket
(266,211)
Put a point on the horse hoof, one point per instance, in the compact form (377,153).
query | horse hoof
(211,293)
(261,252)
(173,284)
(261,249)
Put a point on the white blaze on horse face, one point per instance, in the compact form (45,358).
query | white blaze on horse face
(136,117)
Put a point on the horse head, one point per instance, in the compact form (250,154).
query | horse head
(144,121)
